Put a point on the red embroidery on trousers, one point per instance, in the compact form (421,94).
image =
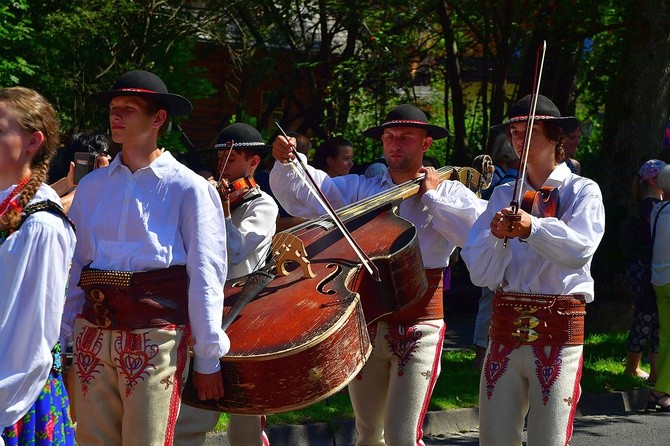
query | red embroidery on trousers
(547,368)
(88,344)
(429,391)
(576,392)
(135,352)
(266,440)
(403,340)
(495,366)
(178,379)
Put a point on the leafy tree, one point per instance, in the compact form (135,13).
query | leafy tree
(80,47)
(15,28)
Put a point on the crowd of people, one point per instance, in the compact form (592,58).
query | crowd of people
(139,288)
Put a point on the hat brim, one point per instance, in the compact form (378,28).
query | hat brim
(434,131)
(567,123)
(175,104)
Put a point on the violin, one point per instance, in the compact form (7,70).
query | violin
(541,203)
(236,191)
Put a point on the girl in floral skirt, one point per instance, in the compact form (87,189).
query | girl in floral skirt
(36,247)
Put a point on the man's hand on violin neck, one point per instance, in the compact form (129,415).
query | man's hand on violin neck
(282,149)
(506,224)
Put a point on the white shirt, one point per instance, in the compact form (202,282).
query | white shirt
(35,262)
(161,215)
(556,257)
(660,262)
(250,228)
(442,216)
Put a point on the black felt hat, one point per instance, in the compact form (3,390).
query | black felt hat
(545,110)
(145,85)
(407,115)
(241,136)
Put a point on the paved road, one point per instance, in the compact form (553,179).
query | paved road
(636,429)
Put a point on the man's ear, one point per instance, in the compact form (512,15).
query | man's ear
(159,118)
(255,161)
(427,141)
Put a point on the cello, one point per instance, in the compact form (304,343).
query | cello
(312,301)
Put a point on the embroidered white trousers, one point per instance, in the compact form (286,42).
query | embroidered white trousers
(390,395)
(541,382)
(128,384)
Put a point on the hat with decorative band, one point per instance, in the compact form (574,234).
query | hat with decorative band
(145,85)
(545,110)
(407,115)
(241,136)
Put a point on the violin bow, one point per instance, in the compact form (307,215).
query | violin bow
(227,146)
(316,190)
(521,173)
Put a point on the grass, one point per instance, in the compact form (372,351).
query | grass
(458,384)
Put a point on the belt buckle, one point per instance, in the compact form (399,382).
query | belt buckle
(526,321)
(102,312)
(525,334)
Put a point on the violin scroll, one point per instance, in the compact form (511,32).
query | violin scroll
(478,177)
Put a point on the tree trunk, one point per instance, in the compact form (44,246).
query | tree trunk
(462,156)
(635,117)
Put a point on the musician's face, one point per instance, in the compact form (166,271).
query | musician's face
(539,142)
(404,147)
(238,164)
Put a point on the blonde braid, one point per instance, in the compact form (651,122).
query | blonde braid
(34,114)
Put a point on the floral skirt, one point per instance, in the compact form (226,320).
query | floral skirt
(48,421)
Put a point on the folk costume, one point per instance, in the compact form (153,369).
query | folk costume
(249,231)
(534,359)
(35,261)
(390,395)
(147,279)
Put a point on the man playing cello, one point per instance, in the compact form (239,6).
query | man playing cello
(390,395)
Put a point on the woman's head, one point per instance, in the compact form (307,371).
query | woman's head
(33,120)
(334,156)
(34,114)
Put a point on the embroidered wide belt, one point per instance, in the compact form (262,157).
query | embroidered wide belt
(125,300)
(537,319)
(430,305)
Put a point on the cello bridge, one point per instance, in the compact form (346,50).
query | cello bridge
(289,248)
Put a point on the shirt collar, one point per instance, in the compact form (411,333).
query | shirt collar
(558,176)
(160,166)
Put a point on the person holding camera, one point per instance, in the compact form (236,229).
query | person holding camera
(147,277)
(89,152)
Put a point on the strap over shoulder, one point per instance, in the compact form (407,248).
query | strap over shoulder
(46,205)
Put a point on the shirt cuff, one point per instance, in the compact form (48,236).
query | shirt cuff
(206,366)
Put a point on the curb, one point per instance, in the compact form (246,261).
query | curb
(440,424)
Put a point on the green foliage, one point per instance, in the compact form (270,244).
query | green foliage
(15,28)
(81,47)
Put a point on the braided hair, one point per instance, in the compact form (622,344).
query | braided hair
(33,114)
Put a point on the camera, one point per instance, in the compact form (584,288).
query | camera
(84,162)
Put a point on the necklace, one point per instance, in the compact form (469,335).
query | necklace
(6,203)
